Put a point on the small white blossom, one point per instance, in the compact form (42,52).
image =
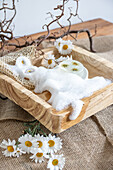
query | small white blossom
(60,59)
(54,143)
(42,143)
(49,62)
(19,152)
(58,43)
(9,146)
(27,143)
(66,48)
(56,162)
(38,155)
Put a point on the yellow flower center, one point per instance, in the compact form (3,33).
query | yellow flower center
(64,65)
(10,148)
(40,144)
(18,151)
(74,63)
(74,69)
(49,61)
(59,44)
(65,47)
(29,71)
(55,162)
(22,62)
(39,155)
(28,143)
(51,143)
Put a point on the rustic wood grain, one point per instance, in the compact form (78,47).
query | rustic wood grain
(97,66)
(36,104)
(103,28)
(58,121)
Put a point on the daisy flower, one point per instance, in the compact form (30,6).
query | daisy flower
(38,155)
(42,143)
(56,162)
(19,152)
(49,62)
(10,147)
(60,59)
(66,47)
(58,42)
(54,143)
(22,61)
(27,143)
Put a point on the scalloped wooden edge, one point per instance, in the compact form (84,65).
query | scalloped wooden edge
(57,121)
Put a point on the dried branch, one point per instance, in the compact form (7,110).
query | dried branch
(5,31)
(49,36)
(95,31)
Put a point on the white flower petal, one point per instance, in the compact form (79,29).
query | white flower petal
(55,142)
(10,148)
(49,61)
(36,156)
(31,143)
(60,165)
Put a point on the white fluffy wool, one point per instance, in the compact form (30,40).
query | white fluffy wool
(22,62)
(66,88)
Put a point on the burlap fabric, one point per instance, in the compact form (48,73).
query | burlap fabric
(86,146)
(11,58)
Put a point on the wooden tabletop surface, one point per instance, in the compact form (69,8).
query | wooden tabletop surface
(103,28)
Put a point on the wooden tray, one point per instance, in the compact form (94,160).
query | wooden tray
(57,121)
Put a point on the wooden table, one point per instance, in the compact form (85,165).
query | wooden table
(103,28)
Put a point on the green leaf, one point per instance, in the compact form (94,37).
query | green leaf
(34,128)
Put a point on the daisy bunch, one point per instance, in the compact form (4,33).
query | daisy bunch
(39,146)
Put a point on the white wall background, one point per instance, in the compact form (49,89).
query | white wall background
(31,14)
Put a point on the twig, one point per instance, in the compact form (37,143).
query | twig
(48,36)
